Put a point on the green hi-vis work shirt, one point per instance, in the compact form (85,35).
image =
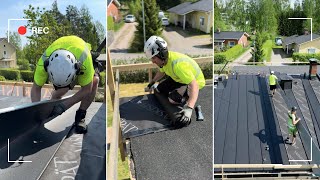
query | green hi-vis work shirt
(272,79)
(290,121)
(79,48)
(183,69)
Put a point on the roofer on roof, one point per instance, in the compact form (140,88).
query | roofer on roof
(292,122)
(184,80)
(65,62)
(273,82)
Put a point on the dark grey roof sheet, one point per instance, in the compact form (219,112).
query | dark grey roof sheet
(184,8)
(228,35)
(305,38)
(299,39)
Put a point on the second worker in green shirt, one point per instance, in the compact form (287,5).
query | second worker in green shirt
(184,80)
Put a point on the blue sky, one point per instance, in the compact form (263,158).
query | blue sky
(13,9)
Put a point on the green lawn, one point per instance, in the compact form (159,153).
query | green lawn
(118,26)
(267,49)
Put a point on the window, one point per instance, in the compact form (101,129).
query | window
(201,21)
(311,51)
(231,43)
(4,45)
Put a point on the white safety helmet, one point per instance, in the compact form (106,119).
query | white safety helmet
(272,72)
(62,68)
(155,45)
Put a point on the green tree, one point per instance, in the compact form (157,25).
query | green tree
(267,17)
(237,14)
(218,22)
(308,7)
(152,25)
(257,52)
(135,8)
(316,17)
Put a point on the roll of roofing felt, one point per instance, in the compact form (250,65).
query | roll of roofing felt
(171,109)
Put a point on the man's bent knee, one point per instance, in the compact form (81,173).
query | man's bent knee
(175,97)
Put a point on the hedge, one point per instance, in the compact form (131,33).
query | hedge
(141,76)
(220,58)
(102,81)
(2,78)
(304,57)
(230,54)
(110,23)
(26,75)
(10,74)
(267,49)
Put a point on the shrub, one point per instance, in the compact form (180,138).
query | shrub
(110,23)
(207,70)
(102,81)
(233,52)
(141,76)
(304,57)
(23,64)
(267,49)
(27,75)
(2,78)
(10,74)
(220,58)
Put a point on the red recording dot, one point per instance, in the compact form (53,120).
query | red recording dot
(22,30)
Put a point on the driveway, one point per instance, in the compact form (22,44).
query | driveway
(278,57)
(177,40)
(181,42)
(122,38)
(241,60)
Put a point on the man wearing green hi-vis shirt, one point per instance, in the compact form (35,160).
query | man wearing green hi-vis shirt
(273,83)
(185,78)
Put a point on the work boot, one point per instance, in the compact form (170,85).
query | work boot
(80,122)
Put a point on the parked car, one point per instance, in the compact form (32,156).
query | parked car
(161,14)
(278,41)
(130,18)
(165,21)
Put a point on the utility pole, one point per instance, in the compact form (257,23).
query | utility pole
(144,26)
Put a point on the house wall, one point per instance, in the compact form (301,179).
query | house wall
(173,18)
(195,20)
(8,60)
(226,42)
(243,41)
(114,12)
(315,44)
(290,47)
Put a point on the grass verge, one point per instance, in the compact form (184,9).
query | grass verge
(267,49)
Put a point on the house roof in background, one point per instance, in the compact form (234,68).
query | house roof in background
(185,8)
(229,35)
(115,1)
(2,39)
(299,39)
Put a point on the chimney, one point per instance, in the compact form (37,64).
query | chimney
(306,32)
(218,30)
(313,68)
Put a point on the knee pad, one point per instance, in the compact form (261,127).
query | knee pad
(175,96)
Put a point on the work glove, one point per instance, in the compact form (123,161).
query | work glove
(151,86)
(58,110)
(185,118)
